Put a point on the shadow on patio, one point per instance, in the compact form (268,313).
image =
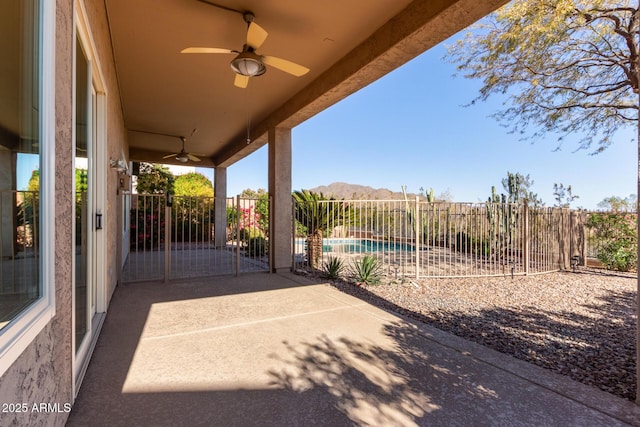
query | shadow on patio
(272,350)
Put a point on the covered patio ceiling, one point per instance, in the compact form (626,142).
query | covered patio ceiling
(345,44)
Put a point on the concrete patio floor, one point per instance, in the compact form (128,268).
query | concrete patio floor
(279,350)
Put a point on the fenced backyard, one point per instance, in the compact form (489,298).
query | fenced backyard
(419,239)
(410,239)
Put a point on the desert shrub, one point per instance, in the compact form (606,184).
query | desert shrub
(616,255)
(468,244)
(333,267)
(367,270)
(615,239)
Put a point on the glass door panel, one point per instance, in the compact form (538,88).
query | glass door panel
(82,195)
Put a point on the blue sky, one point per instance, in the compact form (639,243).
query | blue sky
(410,128)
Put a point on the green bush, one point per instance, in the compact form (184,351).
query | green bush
(333,267)
(247,234)
(615,239)
(257,246)
(367,270)
(468,244)
(616,255)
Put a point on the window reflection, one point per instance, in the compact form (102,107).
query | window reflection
(19,157)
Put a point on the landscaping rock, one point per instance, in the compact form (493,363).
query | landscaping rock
(580,324)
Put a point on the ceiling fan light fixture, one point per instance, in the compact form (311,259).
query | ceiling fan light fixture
(182,158)
(248,64)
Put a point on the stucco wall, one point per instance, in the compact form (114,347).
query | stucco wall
(116,133)
(42,374)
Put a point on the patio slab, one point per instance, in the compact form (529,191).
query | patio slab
(280,350)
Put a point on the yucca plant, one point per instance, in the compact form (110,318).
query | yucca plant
(333,267)
(367,270)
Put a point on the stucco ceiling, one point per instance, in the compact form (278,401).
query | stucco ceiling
(345,44)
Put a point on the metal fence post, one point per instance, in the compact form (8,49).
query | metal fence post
(293,235)
(526,238)
(270,257)
(167,238)
(238,219)
(418,232)
(583,238)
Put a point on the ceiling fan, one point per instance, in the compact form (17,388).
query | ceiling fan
(182,156)
(248,63)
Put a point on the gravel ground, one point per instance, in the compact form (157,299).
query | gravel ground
(577,324)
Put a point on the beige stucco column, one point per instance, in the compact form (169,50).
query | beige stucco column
(280,225)
(220,206)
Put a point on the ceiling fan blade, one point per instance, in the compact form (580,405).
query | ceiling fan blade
(170,155)
(207,50)
(241,81)
(193,158)
(256,35)
(286,66)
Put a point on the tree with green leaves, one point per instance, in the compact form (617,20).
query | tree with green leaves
(34,181)
(155,179)
(193,206)
(193,184)
(614,236)
(619,204)
(567,66)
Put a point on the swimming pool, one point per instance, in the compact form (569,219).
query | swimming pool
(364,246)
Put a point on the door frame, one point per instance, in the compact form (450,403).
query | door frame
(97,279)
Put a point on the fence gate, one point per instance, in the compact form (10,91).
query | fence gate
(176,238)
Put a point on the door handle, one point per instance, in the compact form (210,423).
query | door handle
(98,220)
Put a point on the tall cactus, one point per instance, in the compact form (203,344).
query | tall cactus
(494,218)
(514,186)
(429,234)
(502,214)
(429,195)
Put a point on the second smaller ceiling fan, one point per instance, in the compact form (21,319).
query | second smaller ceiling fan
(183,156)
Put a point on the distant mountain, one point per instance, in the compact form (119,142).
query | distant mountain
(342,190)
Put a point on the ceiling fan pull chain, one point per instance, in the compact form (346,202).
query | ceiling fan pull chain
(248,129)
(248,110)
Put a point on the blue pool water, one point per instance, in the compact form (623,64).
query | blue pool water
(364,246)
